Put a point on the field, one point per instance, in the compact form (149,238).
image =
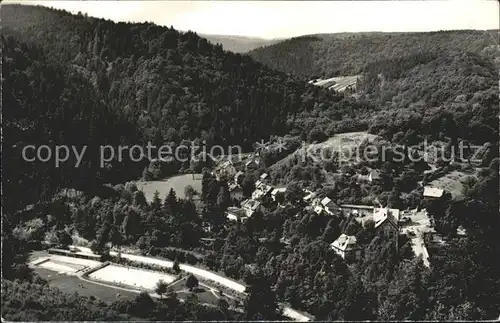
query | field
(345,143)
(178,183)
(131,277)
(339,83)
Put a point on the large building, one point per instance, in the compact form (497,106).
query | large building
(386,221)
(261,190)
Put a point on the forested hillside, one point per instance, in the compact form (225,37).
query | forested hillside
(130,84)
(416,97)
(328,55)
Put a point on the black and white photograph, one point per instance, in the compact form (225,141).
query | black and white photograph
(250,160)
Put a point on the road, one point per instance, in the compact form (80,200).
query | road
(287,311)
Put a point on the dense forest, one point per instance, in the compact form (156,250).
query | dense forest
(82,81)
(328,55)
(137,83)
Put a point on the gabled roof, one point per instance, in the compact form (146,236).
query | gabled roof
(380,215)
(310,195)
(430,191)
(461,231)
(263,176)
(345,242)
(325,201)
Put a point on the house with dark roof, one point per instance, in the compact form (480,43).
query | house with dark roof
(386,221)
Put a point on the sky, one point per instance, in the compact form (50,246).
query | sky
(284,19)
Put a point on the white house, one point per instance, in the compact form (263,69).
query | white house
(309,196)
(374,176)
(318,209)
(261,190)
(346,247)
(236,214)
(276,191)
(250,206)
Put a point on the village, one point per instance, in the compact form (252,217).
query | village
(390,222)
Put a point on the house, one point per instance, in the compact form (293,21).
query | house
(316,201)
(461,231)
(225,169)
(250,206)
(263,176)
(309,196)
(386,221)
(374,176)
(329,207)
(276,191)
(261,190)
(433,192)
(285,241)
(318,209)
(236,214)
(346,247)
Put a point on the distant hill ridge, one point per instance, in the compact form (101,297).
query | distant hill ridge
(329,55)
(239,44)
